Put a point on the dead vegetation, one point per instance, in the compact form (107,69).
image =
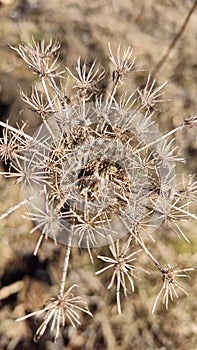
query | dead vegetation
(84,28)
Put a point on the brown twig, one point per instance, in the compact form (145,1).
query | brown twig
(175,39)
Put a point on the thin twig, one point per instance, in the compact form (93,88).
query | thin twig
(159,139)
(157,264)
(19,132)
(18,205)
(111,90)
(175,39)
(65,267)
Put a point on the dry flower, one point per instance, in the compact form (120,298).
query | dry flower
(123,268)
(96,171)
(171,285)
(41,58)
(151,95)
(58,312)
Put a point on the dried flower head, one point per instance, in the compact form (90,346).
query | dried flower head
(37,104)
(41,58)
(171,285)
(87,77)
(97,172)
(58,312)
(151,95)
(122,62)
(123,268)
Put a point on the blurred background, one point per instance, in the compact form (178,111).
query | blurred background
(84,28)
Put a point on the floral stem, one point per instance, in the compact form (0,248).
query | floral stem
(157,264)
(193,216)
(16,131)
(51,105)
(46,92)
(160,138)
(65,267)
(18,205)
(111,90)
